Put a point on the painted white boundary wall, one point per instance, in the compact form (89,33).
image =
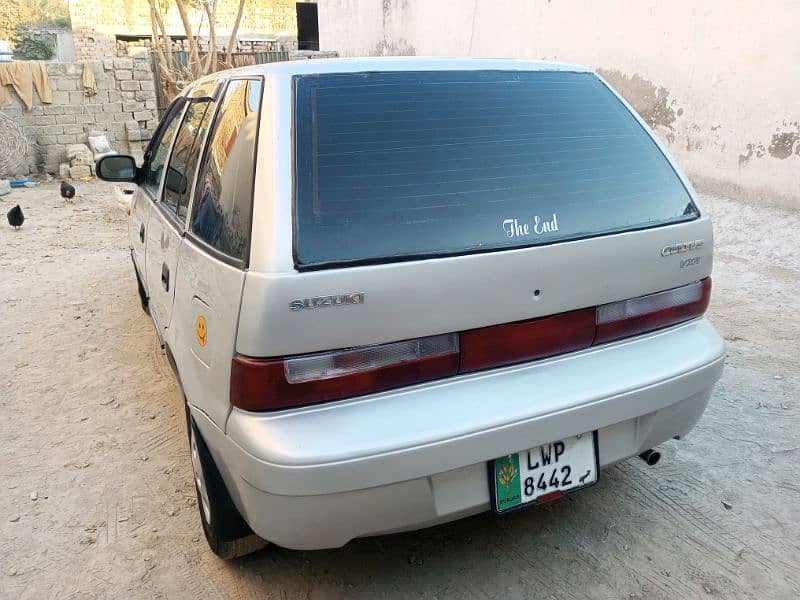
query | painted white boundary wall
(718,80)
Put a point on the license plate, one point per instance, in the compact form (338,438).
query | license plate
(544,473)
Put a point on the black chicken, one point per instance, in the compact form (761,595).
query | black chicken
(67,190)
(15,217)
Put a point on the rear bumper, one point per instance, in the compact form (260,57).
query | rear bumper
(320,476)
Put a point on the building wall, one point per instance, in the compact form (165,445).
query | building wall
(124,109)
(719,81)
(95,23)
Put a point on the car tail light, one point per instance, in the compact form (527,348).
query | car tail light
(268,384)
(654,311)
(258,384)
(524,341)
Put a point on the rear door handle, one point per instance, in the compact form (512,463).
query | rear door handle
(141,233)
(165,276)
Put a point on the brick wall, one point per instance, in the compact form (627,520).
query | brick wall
(124,109)
(96,23)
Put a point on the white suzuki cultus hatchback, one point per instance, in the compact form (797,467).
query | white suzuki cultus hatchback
(397,291)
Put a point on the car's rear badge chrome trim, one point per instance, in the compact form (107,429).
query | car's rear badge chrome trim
(322,301)
(682,247)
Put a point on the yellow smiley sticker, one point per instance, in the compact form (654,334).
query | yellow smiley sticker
(202,330)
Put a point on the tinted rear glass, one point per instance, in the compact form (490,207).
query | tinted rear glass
(401,165)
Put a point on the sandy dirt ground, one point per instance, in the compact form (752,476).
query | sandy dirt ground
(96,494)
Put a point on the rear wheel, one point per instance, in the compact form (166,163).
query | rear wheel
(226,532)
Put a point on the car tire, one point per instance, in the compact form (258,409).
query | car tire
(226,532)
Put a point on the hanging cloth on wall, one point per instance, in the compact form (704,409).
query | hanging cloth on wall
(87,80)
(24,77)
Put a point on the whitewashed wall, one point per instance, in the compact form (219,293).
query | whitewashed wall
(719,80)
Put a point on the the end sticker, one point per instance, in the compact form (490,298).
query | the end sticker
(514,228)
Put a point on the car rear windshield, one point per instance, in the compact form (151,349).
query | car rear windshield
(403,165)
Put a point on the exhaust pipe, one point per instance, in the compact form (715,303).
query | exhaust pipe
(651,457)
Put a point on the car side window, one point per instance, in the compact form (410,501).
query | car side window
(185,155)
(224,192)
(155,165)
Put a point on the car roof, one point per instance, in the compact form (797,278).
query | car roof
(400,63)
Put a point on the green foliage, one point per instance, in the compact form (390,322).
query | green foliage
(33,14)
(33,45)
(44,14)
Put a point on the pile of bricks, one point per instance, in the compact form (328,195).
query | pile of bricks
(81,162)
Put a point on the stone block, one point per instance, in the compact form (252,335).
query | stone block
(108,64)
(132,131)
(123,75)
(66,119)
(114,96)
(53,129)
(53,110)
(63,170)
(112,107)
(46,120)
(123,63)
(65,84)
(60,98)
(105,83)
(121,117)
(87,119)
(143,115)
(73,129)
(143,75)
(77,97)
(91,108)
(130,107)
(151,104)
(80,171)
(14,108)
(72,110)
(67,138)
(79,154)
(55,68)
(142,64)
(151,125)
(144,95)
(130,86)
(148,85)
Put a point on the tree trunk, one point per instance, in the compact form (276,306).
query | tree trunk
(211,58)
(164,57)
(194,56)
(234,33)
